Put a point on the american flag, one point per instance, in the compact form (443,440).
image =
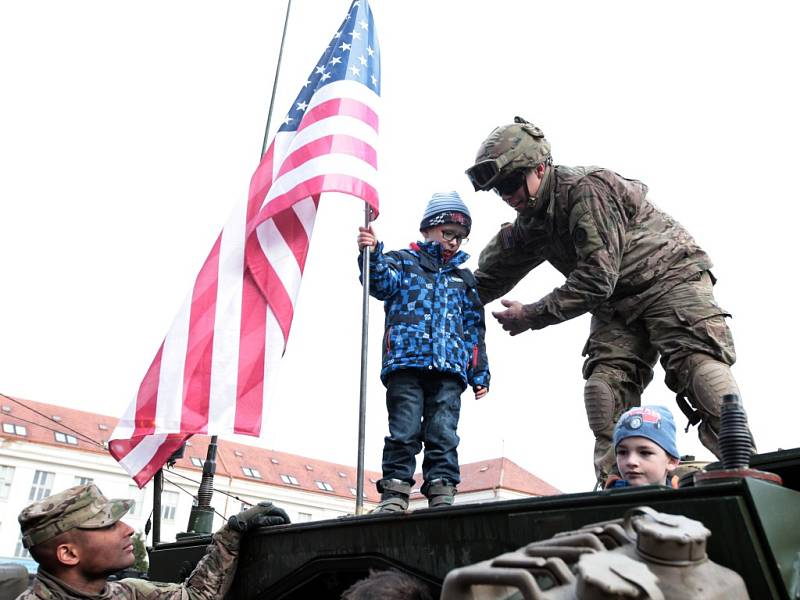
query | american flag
(214,368)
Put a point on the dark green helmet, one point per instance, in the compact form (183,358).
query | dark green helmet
(509,148)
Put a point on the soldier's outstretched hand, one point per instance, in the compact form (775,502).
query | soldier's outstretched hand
(263,514)
(513,318)
(366,238)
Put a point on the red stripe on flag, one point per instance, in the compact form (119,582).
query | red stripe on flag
(340,107)
(259,184)
(200,345)
(147,398)
(294,234)
(330,144)
(267,280)
(250,383)
(331,182)
(161,456)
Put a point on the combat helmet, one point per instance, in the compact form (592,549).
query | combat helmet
(509,148)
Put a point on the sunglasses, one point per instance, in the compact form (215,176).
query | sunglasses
(510,184)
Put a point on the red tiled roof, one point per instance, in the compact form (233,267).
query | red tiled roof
(503,473)
(91,430)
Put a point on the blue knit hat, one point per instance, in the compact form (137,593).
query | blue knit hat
(446,207)
(652,422)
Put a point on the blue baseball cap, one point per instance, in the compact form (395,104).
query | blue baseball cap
(652,422)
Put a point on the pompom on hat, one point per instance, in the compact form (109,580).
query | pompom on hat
(443,208)
(652,422)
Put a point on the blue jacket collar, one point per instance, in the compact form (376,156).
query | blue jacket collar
(433,250)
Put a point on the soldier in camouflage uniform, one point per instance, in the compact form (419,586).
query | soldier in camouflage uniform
(78,540)
(638,272)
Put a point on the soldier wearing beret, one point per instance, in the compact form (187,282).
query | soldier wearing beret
(78,539)
(644,279)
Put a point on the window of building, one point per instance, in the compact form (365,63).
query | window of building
(83,480)
(324,485)
(21,551)
(15,429)
(6,476)
(251,472)
(303,517)
(42,485)
(197,462)
(274,461)
(137,496)
(66,438)
(56,418)
(342,475)
(290,479)
(354,491)
(102,427)
(169,505)
(309,468)
(237,453)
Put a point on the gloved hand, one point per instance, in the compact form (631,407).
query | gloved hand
(263,514)
(513,318)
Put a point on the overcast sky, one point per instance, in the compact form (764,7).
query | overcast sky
(129,131)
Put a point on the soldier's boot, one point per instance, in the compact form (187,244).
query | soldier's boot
(439,492)
(709,381)
(394,496)
(599,400)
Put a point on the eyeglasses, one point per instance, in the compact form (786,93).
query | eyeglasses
(510,184)
(448,235)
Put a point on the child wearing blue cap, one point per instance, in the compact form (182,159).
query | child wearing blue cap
(433,348)
(644,443)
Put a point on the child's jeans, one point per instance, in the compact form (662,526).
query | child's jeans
(423,408)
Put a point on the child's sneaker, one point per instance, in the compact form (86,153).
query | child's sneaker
(394,497)
(440,492)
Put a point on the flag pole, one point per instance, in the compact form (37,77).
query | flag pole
(362,402)
(275,83)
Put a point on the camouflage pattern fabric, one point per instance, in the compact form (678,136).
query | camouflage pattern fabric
(635,269)
(81,506)
(685,322)
(616,249)
(211,579)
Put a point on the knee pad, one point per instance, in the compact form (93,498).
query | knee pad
(599,400)
(709,381)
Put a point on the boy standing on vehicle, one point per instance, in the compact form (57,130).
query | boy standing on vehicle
(644,443)
(433,348)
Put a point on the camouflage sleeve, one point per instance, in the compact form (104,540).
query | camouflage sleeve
(475,330)
(505,260)
(211,578)
(597,229)
(384,273)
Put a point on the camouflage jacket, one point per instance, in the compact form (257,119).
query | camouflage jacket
(617,250)
(211,578)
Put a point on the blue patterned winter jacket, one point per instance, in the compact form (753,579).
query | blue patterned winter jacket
(434,318)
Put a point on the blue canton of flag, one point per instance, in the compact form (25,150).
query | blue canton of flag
(352,55)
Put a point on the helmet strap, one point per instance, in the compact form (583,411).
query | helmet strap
(534,202)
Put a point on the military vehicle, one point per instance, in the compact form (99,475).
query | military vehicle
(729,531)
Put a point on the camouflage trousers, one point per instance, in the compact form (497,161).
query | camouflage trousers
(687,329)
